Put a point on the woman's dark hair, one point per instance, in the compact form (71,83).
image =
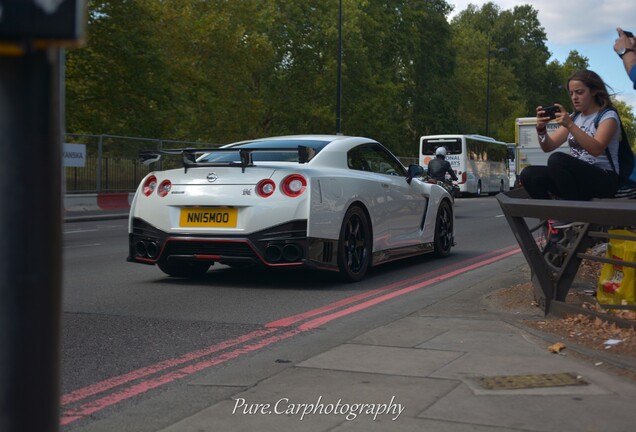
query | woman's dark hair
(594,83)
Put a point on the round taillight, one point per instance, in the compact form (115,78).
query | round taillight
(150,185)
(294,185)
(164,188)
(265,188)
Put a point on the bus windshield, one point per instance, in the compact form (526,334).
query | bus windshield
(452,145)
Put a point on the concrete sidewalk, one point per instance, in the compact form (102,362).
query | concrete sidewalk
(431,371)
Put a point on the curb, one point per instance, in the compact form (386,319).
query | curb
(98,201)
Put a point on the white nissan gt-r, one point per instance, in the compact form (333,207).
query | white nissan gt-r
(328,202)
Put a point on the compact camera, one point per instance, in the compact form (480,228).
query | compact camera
(550,111)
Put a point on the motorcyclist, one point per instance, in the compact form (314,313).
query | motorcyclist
(439,166)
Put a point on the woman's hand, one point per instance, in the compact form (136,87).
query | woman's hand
(549,142)
(623,41)
(563,117)
(542,119)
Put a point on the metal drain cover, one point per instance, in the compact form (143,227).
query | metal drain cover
(514,382)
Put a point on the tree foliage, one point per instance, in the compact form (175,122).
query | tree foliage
(221,70)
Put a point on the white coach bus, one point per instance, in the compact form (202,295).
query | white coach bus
(480,162)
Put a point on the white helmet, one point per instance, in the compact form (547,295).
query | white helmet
(441,151)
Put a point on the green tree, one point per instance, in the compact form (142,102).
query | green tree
(434,93)
(520,31)
(116,84)
(398,73)
(301,90)
(478,34)
(221,61)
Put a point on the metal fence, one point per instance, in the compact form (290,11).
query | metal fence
(105,174)
(111,162)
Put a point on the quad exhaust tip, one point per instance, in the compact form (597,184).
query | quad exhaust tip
(290,252)
(147,249)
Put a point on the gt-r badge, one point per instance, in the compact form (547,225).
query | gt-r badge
(212,177)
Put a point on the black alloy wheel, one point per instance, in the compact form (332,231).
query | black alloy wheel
(443,230)
(354,246)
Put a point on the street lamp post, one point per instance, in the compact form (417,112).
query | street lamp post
(339,72)
(501,50)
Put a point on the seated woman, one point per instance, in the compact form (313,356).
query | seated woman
(586,172)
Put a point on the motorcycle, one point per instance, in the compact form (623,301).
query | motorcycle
(451,187)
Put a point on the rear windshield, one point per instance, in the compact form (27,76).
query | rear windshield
(452,145)
(283,156)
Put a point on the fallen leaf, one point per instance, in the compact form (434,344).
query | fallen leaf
(556,347)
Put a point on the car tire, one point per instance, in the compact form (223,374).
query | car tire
(443,230)
(184,268)
(354,245)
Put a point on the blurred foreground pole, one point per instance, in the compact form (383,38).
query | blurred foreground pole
(30,251)
(32,33)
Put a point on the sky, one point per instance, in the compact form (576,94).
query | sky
(587,26)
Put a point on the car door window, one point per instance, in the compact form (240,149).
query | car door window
(357,159)
(375,158)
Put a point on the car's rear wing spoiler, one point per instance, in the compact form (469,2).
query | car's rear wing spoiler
(305,154)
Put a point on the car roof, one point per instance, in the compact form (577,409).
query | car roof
(317,141)
(307,137)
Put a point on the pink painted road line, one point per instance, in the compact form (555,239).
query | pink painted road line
(361,306)
(89,408)
(110,383)
(288,321)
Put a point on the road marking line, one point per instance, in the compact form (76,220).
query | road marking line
(361,306)
(82,245)
(89,408)
(110,383)
(80,231)
(286,322)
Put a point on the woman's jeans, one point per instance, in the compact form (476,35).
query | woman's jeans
(568,178)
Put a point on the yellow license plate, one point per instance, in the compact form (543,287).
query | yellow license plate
(211,217)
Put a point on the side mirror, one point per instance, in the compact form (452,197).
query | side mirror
(511,153)
(414,171)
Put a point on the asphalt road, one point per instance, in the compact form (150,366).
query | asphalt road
(120,318)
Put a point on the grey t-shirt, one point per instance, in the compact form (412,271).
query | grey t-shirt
(586,122)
